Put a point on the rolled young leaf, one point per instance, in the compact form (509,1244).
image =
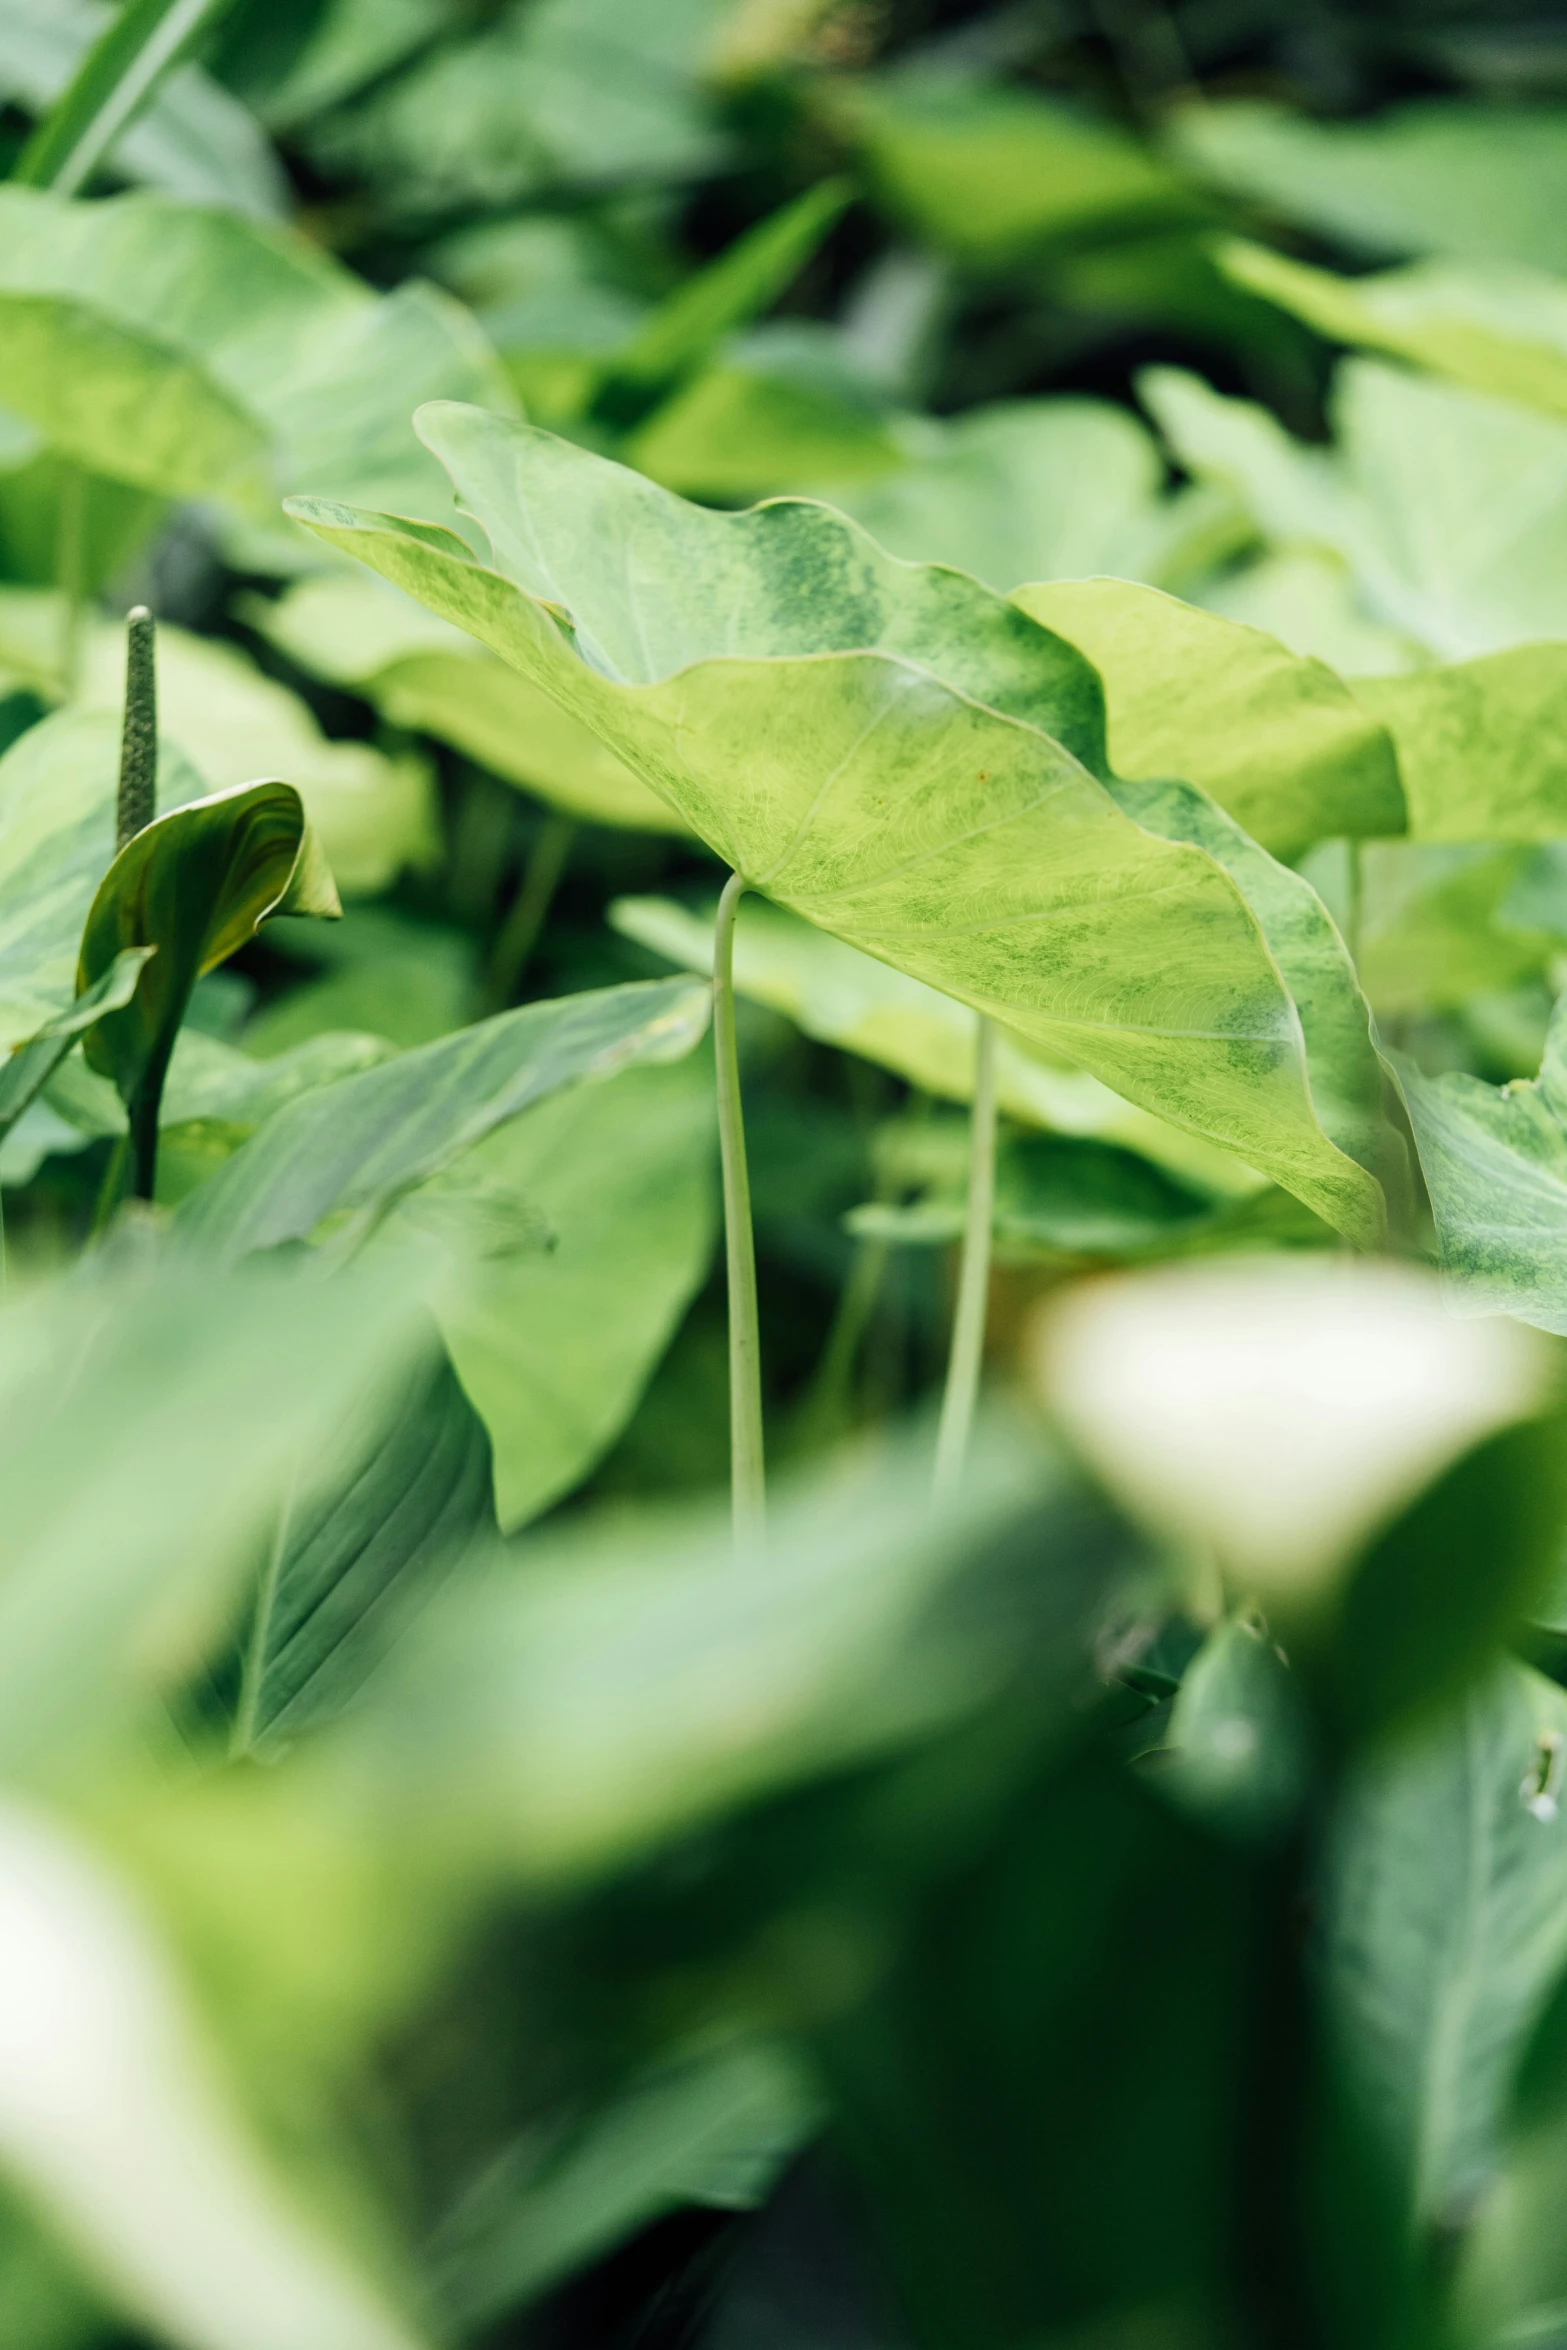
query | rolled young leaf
(196,884)
(903,757)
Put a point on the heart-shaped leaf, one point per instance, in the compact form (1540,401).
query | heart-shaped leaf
(908,760)
(195,884)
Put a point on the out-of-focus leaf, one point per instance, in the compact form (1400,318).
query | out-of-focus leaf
(555,1350)
(191,351)
(409,1494)
(1449,507)
(848,999)
(113,82)
(188,2227)
(191,1397)
(1480,183)
(994,174)
(1305,596)
(195,885)
(1041,489)
(31,1065)
(193,139)
(1443,922)
(1444,1925)
(57,800)
(559,1723)
(573,92)
(1495,1164)
(433,679)
(1274,1414)
(361,1143)
(352,43)
(117,523)
(1482,745)
(739,285)
(697,2116)
(806,704)
(749,426)
(1237,1753)
(379,972)
(1501,332)
(1279,742)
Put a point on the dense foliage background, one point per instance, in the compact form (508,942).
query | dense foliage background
(444,1897)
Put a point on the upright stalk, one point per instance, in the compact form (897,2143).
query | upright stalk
(747,1475)
(968,1323)
(137,803)
(1355,906)
(521,930)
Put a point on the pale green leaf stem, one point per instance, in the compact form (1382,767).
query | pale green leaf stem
(746,1456)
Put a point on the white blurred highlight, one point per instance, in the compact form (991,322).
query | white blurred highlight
(112,2125)
(1275,1412)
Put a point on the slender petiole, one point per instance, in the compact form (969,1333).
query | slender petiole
(747,1473)
(968,1323)
(524,925)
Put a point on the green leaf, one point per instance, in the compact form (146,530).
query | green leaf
(432,679)
(750,425)
(556,1350)
(192,1397)
(1450,508)
(1039,489)
(192,139)
(994,174)
(1482,745)
(1495,1164)
(196,885)
(362,1143)
(115,81)
(746,279)
(1279,742)
(1444,1926)
(1504,332)
(1482,183)
(57,796)
(739,2108)
(842,997)
(1237,1754)
(559,1723)
(32,1064)
(187,350)
(350,1560)
(808,705)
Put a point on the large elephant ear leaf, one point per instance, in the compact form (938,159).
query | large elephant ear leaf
(913,764)
(195,884)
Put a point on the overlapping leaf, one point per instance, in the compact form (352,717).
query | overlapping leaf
(910,762)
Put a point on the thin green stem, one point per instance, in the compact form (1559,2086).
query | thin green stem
(70,573)
(968,1322)
(530,908)
(828,1407)
(747,1472)
(1355,900)
(120,74)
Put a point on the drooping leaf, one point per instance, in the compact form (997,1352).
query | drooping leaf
(1498,331)
(422,674)
(31,1065)
(1449,507)
(1482,745)
(807,705)
(1278,741)
(1445,1924)
(1479,182)
(845,998)
(408,1495)
(1495,1164)
(555,1349)
(195,885)
(364,1142)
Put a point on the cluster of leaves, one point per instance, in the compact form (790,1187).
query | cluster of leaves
(1121,1899)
